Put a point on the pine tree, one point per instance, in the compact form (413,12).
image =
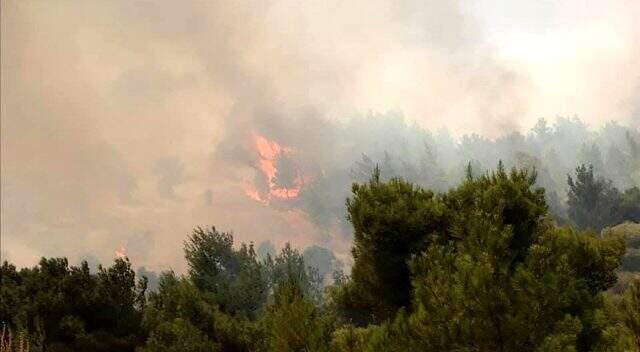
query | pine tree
(592,202)
(293,321)
(391,221)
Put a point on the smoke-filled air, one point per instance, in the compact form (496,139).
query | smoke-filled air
(379,170)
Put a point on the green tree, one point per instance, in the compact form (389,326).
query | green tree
(510,200)
(623,314)
(630,313)
(289,264)
(68,308)
(469,294)
(505,279)
(234,277)
(180,316)
(178,335)
(294,322)
(593,201)
(391,221)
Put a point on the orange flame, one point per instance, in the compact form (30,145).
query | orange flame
(253,193)
(268,152)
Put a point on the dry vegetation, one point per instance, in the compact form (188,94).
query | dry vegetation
(11,343)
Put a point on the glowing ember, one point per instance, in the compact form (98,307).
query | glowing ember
(269,151)
(121,253)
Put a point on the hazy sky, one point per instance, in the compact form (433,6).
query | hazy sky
(115,113)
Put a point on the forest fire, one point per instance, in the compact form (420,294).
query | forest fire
(283,178)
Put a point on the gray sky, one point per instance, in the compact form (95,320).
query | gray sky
(121,119)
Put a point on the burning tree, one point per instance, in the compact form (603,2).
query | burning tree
(279,170)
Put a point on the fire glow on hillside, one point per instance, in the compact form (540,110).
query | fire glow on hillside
(269,153)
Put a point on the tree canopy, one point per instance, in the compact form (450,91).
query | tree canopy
(481,267)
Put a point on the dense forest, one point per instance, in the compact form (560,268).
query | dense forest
(483,266)
(437,160)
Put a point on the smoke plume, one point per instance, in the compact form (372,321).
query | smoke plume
(127,123)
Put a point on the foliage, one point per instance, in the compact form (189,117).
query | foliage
(73,309)
(502,277)
(630,313)
(234,277)
(391,221)
(350,338)
(436,160)
(294,322)
(481,267)
(623,317)
(181,317)
(223,303)
(593,202)
(290,265)
(468,295)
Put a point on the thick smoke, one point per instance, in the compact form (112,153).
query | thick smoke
(126,123)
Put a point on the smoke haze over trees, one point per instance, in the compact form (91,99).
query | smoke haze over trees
(433,159)
(482,265)
(406,175)
(138,122)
